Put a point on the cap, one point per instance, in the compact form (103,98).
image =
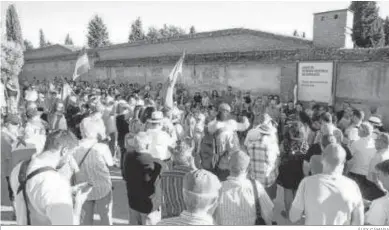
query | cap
(201,183)
(239,161)
(12,119)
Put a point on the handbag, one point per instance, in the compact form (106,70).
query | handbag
(258,220)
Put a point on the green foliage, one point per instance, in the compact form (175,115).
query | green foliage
(12,60)
(386,30)
(368,30)
(192,30)
(14,31)
(153,34)
(28,45)
(97,33)
(136,33)
(168,31)
(42,40)
(68,40)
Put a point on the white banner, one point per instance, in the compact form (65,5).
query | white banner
(315,81)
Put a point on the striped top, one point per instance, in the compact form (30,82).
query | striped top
(187,218)
(95,167)
(237,203)
(172,183)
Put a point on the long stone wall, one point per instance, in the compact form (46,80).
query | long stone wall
(362,75)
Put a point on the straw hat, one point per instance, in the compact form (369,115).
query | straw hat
(376,121)
(156,117)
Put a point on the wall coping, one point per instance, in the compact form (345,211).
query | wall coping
(315,54)
(312,54)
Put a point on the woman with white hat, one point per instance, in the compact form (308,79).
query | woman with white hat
(376,122)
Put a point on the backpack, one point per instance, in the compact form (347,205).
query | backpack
(24,178)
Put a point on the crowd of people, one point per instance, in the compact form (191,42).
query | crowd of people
(211,159)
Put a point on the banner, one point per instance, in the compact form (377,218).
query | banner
(171,81)
(315,81)
(82,66)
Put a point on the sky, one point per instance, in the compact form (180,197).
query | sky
(61,17)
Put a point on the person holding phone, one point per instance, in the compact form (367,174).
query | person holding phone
(51,200)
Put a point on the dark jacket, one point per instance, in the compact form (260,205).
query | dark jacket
(142,174)
(122,128)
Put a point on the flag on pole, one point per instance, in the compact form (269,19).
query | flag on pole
(82,66)
(295,94)
(171,81)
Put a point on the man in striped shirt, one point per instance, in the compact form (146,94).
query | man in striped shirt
(93,159)
(237,201)
(201,191)
(183,162)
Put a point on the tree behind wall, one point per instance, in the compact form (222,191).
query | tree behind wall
(192,30)
(295,33)
(97,33)
(42,40)
(168,31)
(386,30)
(28,45)
(368,28)
(153,34)
(14,31)
(68,40)
(136,33)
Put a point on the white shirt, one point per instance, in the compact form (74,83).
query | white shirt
(327,200)
(377,158)
(44,191)
(160,141)
(35,133)
(378,213)
(95,167)
(237,203)
(363,150)
(109,120)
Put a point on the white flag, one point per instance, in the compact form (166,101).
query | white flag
(82,66)
(171,81)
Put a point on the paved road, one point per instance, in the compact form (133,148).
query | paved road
(120,206)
